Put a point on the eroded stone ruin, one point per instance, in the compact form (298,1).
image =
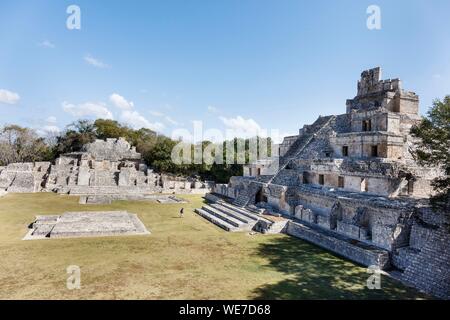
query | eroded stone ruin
(350,184)
(86,224)
(110,167)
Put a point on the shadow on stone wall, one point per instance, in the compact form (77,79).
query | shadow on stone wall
(313,273)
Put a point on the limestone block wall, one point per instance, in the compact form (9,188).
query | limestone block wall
(360,145)
(420,236)
(364,255)
(408,102)
(384,226)
(112,149)
(24,177)
(225,190)
(286,144)
(429,270)
(379,121)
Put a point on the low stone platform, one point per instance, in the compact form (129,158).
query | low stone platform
(354,250)
(107,199)
(86,224)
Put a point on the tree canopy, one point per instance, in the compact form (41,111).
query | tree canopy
(18,144)
(434,148)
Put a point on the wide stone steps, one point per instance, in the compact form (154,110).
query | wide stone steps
(251,215)
(224,216)
(233,213)
(229,217)
(218,222)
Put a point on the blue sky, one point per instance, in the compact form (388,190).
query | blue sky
(229,63)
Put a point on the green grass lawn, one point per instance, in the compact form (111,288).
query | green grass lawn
(187,258)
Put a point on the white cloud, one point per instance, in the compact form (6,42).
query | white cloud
(156,113)
(51,120)
(47,44)
(437,76)
(137,121)
(48,127)
(120,102)
(171,121)
(51,129)
(8,97)
(213,109)
(95,62)
(88,109)
(240,127)
(166,118)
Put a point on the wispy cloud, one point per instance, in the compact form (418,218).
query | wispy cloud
(51,120)
(212,109)
(167,118)
(47,44)
(88,109)
(156,113)
(120,102)
(8,97)
(241,127)
(48,127)
(95,62)
(171,121)
(137,121)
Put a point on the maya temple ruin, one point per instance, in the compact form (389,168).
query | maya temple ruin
(347,183)
(110,168)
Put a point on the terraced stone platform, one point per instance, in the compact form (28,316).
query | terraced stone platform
(231,217)
(86,224)
(108,199)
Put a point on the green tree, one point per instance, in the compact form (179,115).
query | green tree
(75,137)
(106,128)
(18,144)
(434,148)
(159,156)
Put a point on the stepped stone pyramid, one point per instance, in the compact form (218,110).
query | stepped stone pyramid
(350,184)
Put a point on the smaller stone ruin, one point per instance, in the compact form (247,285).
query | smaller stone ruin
(111,167)
(86,224)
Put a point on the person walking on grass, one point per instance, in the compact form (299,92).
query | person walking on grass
(181,212)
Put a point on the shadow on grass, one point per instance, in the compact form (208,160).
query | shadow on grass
(313,273)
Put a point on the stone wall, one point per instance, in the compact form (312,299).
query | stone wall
(24,177)
(362,254)
(112,149)
(429,270)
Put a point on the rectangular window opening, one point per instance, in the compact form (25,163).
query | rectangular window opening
(345,151)
(321,179)
(340,182)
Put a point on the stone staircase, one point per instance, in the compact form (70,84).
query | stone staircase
(298,146)
(229,217)
(301,143)
(242,199)
(286,177)
(247,195)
